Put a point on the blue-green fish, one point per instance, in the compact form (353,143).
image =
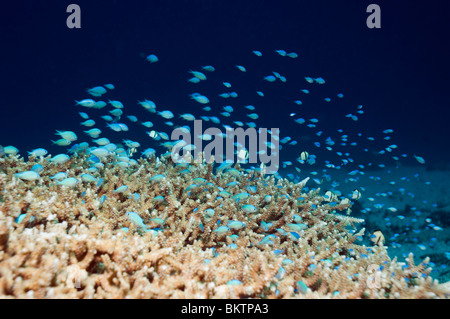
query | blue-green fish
(222,230)
(235,224)
(136,220)
(28,175)
(249,209)
(68,182)
(295,227)
(157,178)
(241,196)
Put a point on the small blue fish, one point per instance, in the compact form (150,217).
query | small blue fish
(159,199)
(37,168)
(88,123)
(38,152)
(152,58)
(241,196)
(268,240)
(60,159)
(270,78)
(249,209)
(157,178)
(209,212)
(295,227)
(166,114)
(121,189)
(222,230)
(136,220)
(265,226)
(87,178)
(68,182)
(294,236)
(235,224)
(253,116)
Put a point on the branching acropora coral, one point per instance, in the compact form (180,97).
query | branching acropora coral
(206,234)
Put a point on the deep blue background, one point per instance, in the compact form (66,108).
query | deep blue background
(399,72)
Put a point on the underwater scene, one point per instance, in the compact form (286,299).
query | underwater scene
(224,150)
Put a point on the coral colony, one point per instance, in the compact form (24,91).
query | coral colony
(100,220)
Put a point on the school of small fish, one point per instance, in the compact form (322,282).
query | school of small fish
(333,159)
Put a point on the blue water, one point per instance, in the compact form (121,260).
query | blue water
(399,73)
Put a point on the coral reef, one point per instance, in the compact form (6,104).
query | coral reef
(197,232)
